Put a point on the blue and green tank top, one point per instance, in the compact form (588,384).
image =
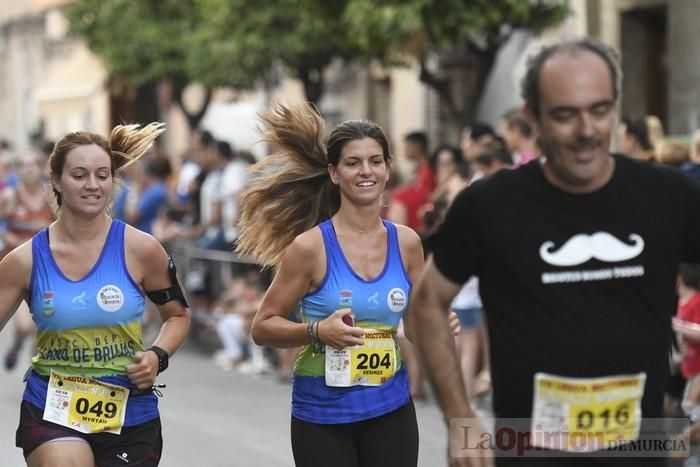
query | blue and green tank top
(88,327)
(378,303)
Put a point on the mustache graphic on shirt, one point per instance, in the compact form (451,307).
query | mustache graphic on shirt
(600,245)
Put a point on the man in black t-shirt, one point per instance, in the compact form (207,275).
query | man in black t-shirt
(577,256)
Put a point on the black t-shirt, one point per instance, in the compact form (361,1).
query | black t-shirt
(579,285)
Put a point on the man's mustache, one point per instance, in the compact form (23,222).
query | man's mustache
(600,245)
(584,144)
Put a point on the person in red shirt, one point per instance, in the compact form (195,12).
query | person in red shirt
(687,325)
(408,199)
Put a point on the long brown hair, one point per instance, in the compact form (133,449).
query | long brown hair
(126,144)
(290,190)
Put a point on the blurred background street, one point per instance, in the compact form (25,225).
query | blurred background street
(213,418)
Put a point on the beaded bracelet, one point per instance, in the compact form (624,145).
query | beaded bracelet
(316,344)
(310,332)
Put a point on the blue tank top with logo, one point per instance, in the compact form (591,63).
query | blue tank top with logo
(379,304)
(88,327)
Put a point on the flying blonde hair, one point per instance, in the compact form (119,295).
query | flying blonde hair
(291,190)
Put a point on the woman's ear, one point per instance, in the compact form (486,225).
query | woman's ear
(54,182)
(333,172)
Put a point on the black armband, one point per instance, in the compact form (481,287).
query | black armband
(174,292)
(163,357)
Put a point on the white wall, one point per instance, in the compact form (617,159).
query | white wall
(237,122)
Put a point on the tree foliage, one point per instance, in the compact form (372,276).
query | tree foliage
(237,42)
(141,42)
(424,28)
(304,36)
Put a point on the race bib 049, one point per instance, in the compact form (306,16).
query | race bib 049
(85,404)
(586,414)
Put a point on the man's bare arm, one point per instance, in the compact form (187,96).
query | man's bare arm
(430,307)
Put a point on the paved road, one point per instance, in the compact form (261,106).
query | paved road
(213,418)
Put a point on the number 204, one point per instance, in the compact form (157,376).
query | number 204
(372,361)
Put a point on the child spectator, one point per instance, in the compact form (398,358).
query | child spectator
(236,309)
(687,325)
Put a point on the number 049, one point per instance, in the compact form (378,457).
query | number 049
(98,409)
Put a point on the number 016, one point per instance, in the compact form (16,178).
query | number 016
(621,417)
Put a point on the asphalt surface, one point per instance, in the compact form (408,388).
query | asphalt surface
(213,418)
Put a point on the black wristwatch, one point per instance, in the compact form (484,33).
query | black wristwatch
(162,358)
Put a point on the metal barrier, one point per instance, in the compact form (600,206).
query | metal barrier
(217,255)
(205,274)
(189,257)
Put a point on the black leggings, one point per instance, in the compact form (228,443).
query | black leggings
(387,441)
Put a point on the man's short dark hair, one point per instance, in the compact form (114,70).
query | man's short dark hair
(638,129)
(206,139)
(158,167)
(479,129)
(419,139)
(514,118)
(496,151)
(47,147)
(530,90)
(690,275)
(225,150)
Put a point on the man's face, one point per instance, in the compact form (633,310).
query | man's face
(576,119)
(412,152)
(510,135)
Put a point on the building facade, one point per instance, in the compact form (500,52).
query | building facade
(51,83)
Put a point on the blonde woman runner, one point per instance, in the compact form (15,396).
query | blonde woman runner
(89,398)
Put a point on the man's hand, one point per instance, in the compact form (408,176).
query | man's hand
(459,454)
(453,320)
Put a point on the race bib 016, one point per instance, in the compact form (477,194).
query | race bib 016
(586,414)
